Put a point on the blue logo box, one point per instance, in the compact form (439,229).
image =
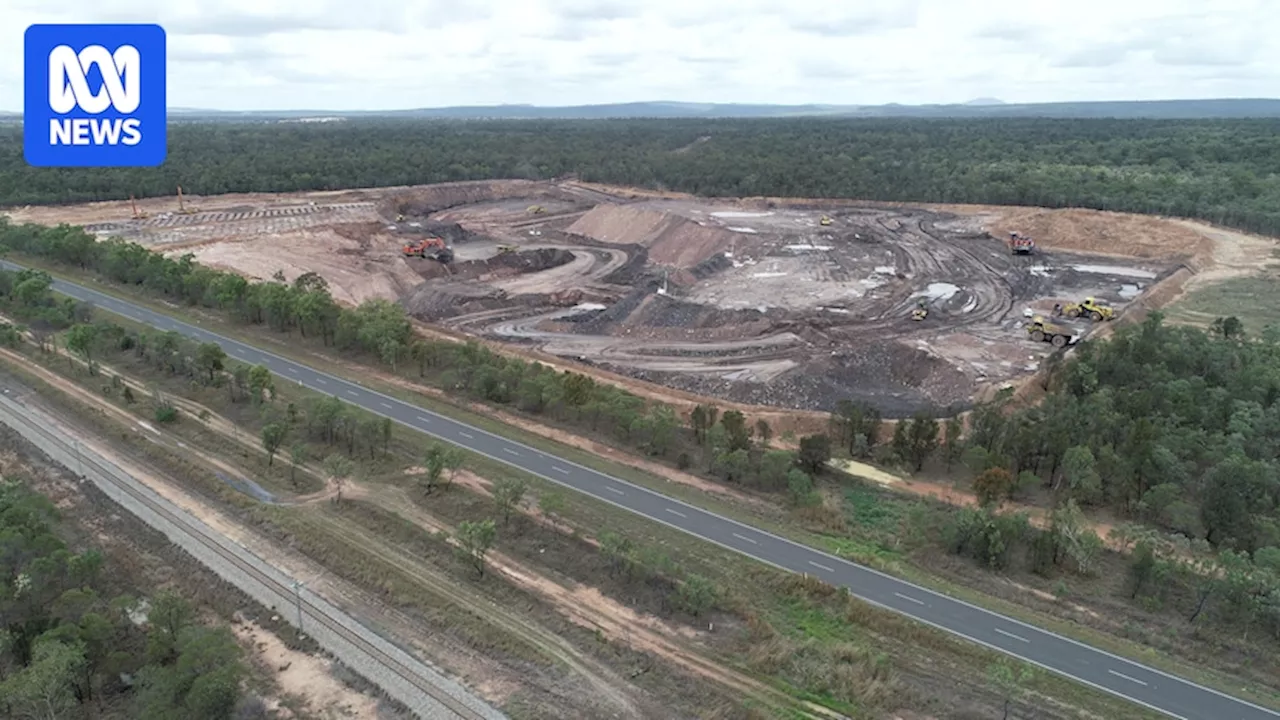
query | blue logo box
(94,96)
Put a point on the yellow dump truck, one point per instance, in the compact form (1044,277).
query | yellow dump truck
(1042,330)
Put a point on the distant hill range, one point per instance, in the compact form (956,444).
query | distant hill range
(979,108)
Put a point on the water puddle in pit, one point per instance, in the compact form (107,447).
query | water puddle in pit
(938,291)
(1115,270)
(737,214)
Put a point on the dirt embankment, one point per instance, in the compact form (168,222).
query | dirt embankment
(669,238)
(423,200)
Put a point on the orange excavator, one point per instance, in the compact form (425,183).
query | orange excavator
(433,248)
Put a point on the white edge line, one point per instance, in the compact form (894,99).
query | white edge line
(793,543)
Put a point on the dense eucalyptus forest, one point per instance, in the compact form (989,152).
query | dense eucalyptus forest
(1224,171)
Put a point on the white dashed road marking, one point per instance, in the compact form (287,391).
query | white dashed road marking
(1126,677)
(1006,633)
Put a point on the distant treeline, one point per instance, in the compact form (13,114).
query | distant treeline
(1224,171)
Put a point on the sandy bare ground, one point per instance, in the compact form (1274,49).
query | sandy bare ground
(585,606)
(354,273)
(307,678)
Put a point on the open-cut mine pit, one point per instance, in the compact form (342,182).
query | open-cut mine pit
(792,304)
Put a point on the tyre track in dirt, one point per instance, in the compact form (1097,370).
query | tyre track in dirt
(601,678)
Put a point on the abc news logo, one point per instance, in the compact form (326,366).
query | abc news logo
(94,96)
(69,89)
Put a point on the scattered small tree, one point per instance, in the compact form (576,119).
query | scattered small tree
(764,432)
(211,358)
(800,488)
(453,459)
(273,435)
(297,457)
(474,541)
(551,504)
(507,494)
(617,549)
(338,467)
(81,339)
(435,465)
(695,595)
(815,451)
(993,486)
(1011,682)
(262,386)
(952,442)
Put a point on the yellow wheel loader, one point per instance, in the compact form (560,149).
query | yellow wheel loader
(1092,308)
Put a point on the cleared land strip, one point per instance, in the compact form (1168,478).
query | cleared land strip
(426,692)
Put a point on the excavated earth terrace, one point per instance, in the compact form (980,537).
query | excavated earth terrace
(793,304)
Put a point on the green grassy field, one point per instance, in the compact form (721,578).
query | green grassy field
(1254,300)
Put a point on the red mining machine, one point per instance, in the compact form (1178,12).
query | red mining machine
(1020,244)
(433,248)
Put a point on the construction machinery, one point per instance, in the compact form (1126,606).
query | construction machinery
(536,209)
(431,248)
(182,207)
(1092,308)
(1042,330)
(826,220)
(504,249)
(1020,244)
(400,217)
(921,310)
(137,214)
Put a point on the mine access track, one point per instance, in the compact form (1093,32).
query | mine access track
(202,535)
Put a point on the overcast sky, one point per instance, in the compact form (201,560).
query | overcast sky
(389,54)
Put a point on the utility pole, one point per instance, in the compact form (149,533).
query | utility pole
(79,462)
(297,596)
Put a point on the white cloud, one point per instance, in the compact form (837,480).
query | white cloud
(336,54)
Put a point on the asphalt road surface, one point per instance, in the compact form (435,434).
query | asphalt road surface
(1138,683)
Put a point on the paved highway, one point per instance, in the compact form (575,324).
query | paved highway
(1138,683)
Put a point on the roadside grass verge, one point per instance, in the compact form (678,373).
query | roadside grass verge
(762,595)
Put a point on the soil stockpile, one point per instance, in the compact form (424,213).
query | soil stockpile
(670,239)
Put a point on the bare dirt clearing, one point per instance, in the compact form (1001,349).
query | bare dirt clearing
(767,302)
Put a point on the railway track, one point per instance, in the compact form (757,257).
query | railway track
(313,612)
